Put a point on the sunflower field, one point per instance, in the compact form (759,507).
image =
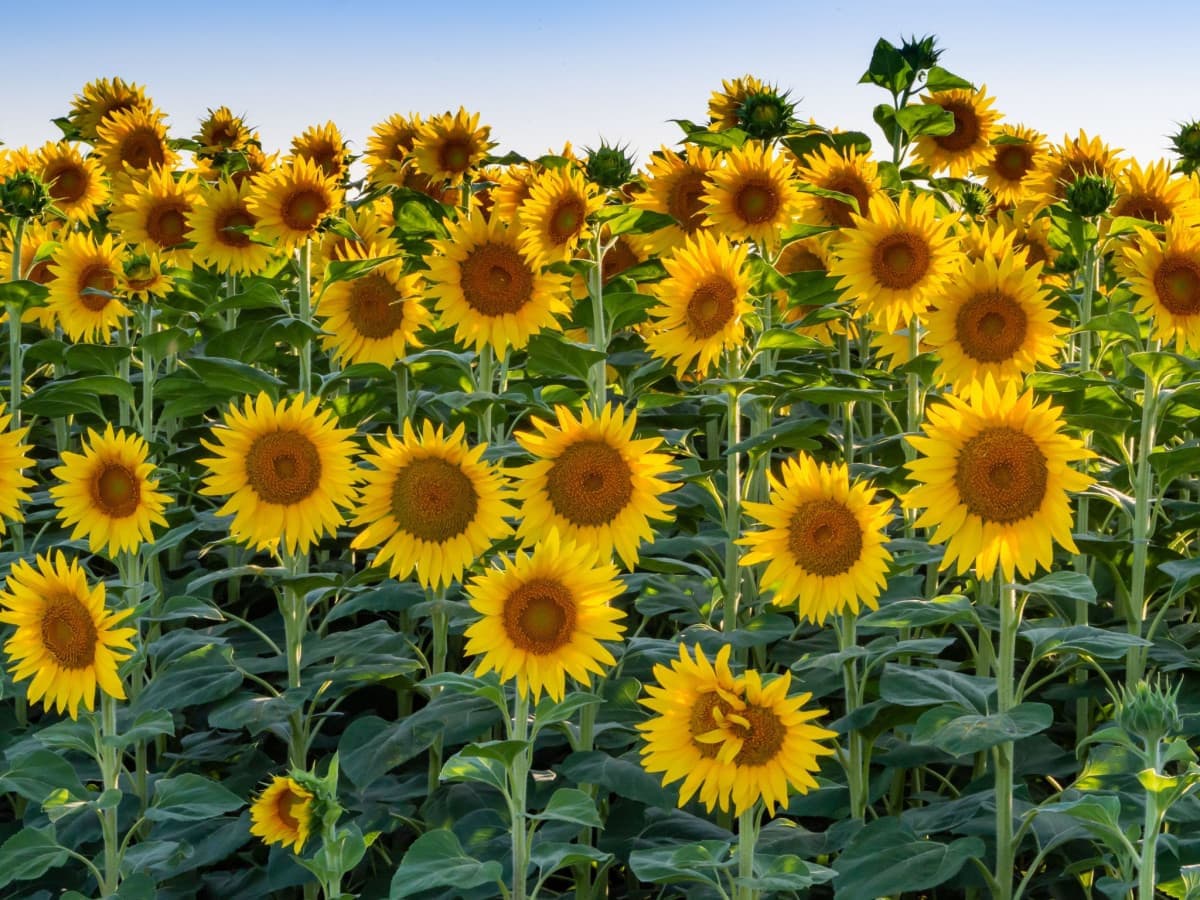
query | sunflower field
(801,513)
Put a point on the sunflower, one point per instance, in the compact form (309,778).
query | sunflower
(846,172)
(142,277)
(620,255)
(675,185)
(64,638)
(489,290)
(433,503)
(1151,193)
(724,106)
(684,700)
(14,460)
(447,146)
(291,201)
(101,99)
(1069,160)
(767,744)
(701,303)
(994,473)
(286,469)
(1017,154)
(155,214)
(37,246)
(375,317)
(1031,234)
(1164,275)
(223,132)
(824,541)
(76,183)
(895,261)
(83,284)
(989,239)
(283,813)
(371,223)
(511,191)
(810,254)
(544,616)
(325,146)
(554,220)
(389,149)
(134,141)
(994,320)
(593,482)
(969,145)
(218,226)
(892,348)
(752,195)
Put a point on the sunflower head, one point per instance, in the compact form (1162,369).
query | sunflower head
(846,172)
(83,287)
(1164,275)
(675,185)
(725,104)
(448,146)
(325,146)
(283,813)
(134,141)
(1151,193)
(142,277)
(752,195)
(292,200)
(969,145)
(76,183)
(555,217)
(390,147)
(103,98)
(223,132)
(608,166)
(220,227)
(154,214)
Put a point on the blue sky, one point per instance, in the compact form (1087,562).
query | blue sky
(541,73)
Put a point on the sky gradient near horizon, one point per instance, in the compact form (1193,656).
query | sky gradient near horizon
(543,73)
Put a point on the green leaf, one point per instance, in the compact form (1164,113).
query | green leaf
(553,354)
(57,399)
(925,118)
(436,860)
(24,293)
(549,712)
(1094,809)
(487,763)
(103,359)
(938,79)
(785,339)
(190,797)
(886,858)
(906,686)
(30,853)
(199,676)
(231,376)
(947,729)
(37,774)
(1066,585)
(1182,573)
(785,872)
(1087,639)
(888,69)
(147,726)
(699,862)
(618,775)
(348,270)
(944,610)
(550,856)
(258,294)
(571,805)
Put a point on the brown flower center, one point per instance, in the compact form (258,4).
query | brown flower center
(326,155)
(68,632)
(590,483)
(539,616)
(566,219)
(756,201)
(618,258)
(762,740)
(710,308)
(966,131)
(683,200)
(96,277)
(991,327)
(1177,283)
(66,181)
(1143,206)
(283,467)
(289,806)
(496,280)
(166,223)
(1001,475)
(434,500)
(1013,161)
(703,721)
(835,211)
(375,307)
(900,260)
(142,148)
(454,155)
(303,208)
(228,221)
(824,537)
(797,257)
(116,491)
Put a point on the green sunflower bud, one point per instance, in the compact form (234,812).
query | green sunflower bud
(1149,711)
(920,53)
(1090,195)
(24,195)
(1187,144)
(766,115)
(609,166)
(976,201)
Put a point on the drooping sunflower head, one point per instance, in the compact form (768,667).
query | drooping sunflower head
(390,147)
(134,141)
(433,504)
(106,493)
(223,132)
(76,183)
(993,477)
(488,288)
(554,219)
(824,540)
(1010,172)
(286,469)
(65,639)
(701,303)
(292,200)
(84,280)
(142,277)
(847,172)
(969,145)
(283,813)
(895,261)
(725,105)
(995,320)
(154,215)
(675,186)
(1073,158)
(103,98)
(220,226)
(544,616)
(448,146)
(1153,194)
(375,317)
(1164,275)
(752,195)
(593,482)
(325,146)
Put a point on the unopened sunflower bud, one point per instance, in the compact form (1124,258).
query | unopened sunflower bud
(1149,711)
(1187,144)
(920,53)
(766,114)
(24,195)
(976,201)
(609,167)
(1090,195)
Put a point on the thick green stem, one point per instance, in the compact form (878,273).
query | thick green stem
(401,375)
(149,372)
(440,625)
(1005,692)
(518,782)
(598,373)
(16,368)
(295,624)
(747,838)
(485,384)
(1150,828)
(856,774)
(914,409)
(1143,530)
(733,497)
(109,773)
(305,292)
(1084,338)
(843,342)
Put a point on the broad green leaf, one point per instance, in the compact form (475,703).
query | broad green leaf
(199,676)
(887,858)
(620,776)
(550,856)
(925,118)
(701,862)
(57,399)
(948,729)
(1087,639)
(1067,585)
(888,68)
(938,79)
(35,775)
(232,376)
(908,686)
(437,860)
(30,853)
(944,610)
(23,293)
(549,712)
(571,805)
(190,797)
(785,872)
(552,354)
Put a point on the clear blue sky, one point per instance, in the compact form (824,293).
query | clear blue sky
(541,73)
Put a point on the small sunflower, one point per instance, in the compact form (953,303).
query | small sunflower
(83,285)
(389,149)
(107,493)
(969,145)
(1031,233)
(824,541)
(1153,194)
(701,303)
(134,141)
(544,616)
(554,220)
(846,172)
(1017,155)
(76,183)
(433,503)
(593,482)
(899,258)
(154,215)
(221,132)
(142,277)
(65,639)
(447,146)
(14,460)
(512,185)
(995,320)
(1164,275)
(291,201)
(101,99)
(325,146)
(286,469)
(810,254)
(283,813)
(1069,160)
(993,476)
(489,290)
(675,185)
(219,227)
(371,224)
(752,195)
(375,317)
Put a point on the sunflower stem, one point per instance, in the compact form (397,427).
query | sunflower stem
(1143,529)
(733,494)
(401,375)
(748,821)
(843,341)
(485,382)
(914,410)
(295,623)
(440,624)
(598,374)
(109,774)
(518,781)
(1079,676)
(1010,620)
(305,315)
(231,314)
(1150,831)
(856,773)
(148,374)
(16,369)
